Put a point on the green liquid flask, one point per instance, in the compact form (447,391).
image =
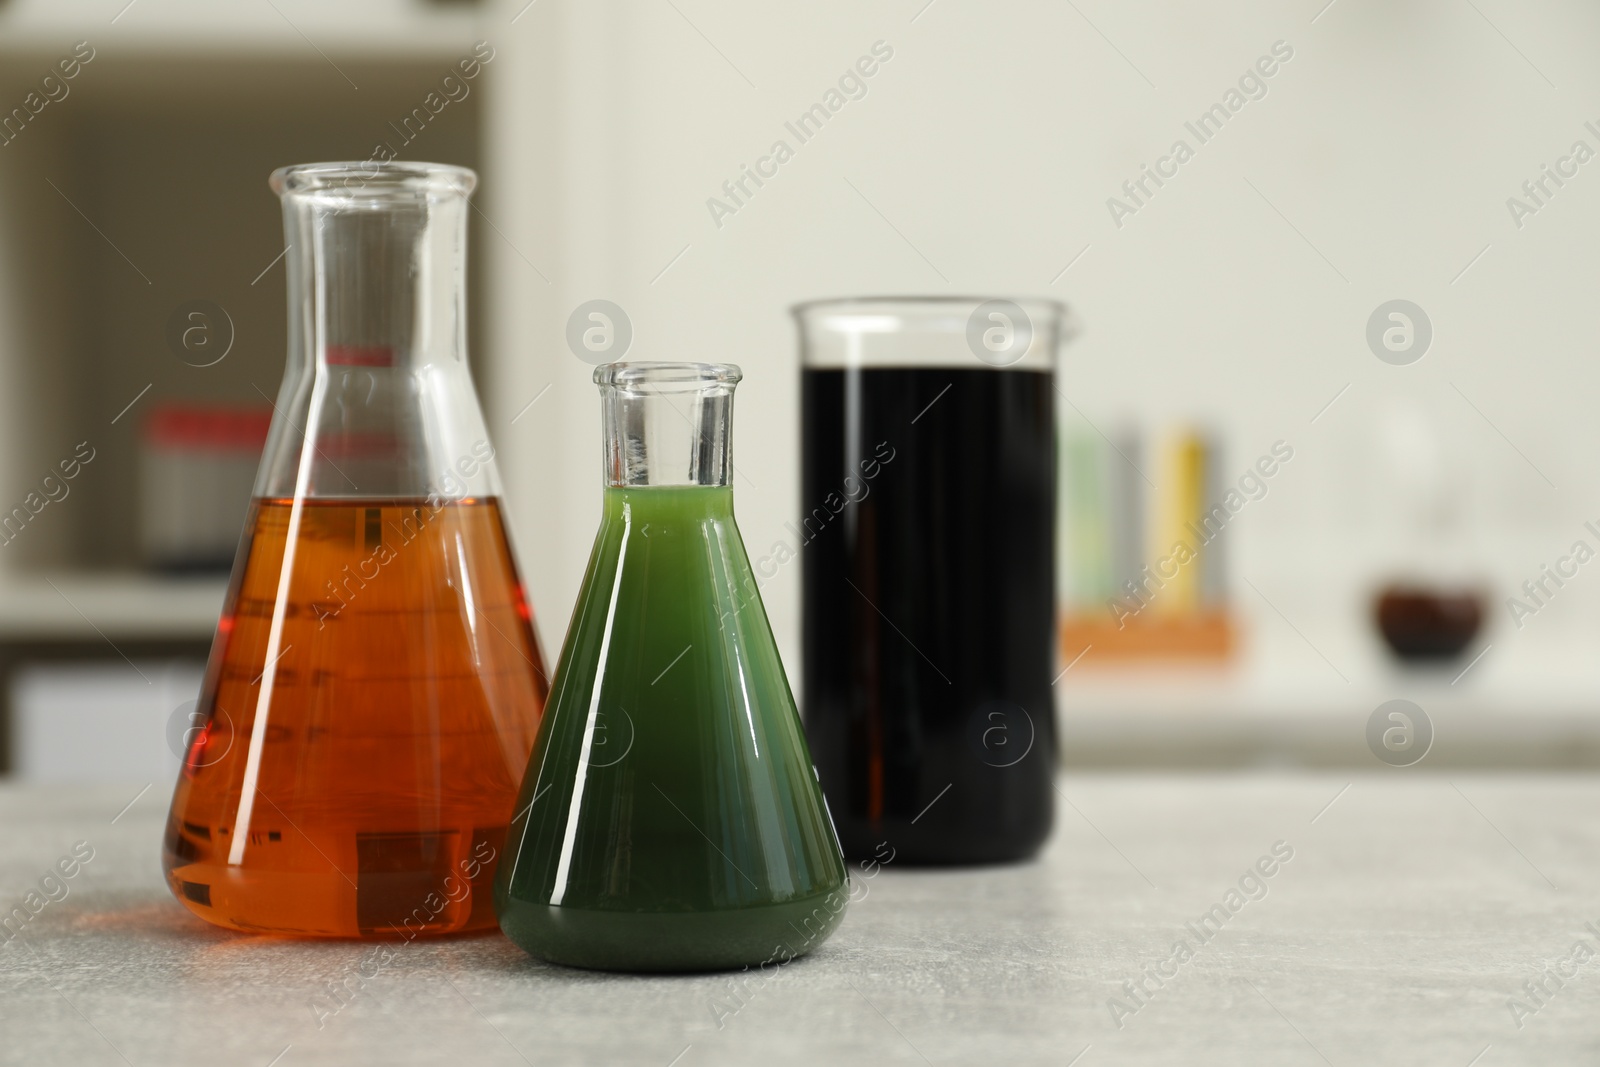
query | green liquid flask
(670,818)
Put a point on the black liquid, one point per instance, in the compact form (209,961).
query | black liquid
(928,504)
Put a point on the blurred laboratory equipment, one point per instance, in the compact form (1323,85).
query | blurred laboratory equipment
(1144,545)
(1428,606)
(197,463)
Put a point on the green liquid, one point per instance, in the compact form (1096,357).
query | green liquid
(673,820)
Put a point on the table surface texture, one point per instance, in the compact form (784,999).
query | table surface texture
(1408,918)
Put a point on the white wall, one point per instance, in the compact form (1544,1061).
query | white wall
(991,141)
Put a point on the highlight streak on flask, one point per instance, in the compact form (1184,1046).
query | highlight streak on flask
(564,865)
(280,613)
(732,583)
(469,610)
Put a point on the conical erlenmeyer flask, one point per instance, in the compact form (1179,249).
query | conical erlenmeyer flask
(375,683)
(670,818)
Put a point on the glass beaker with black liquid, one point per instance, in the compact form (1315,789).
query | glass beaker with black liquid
(928,528)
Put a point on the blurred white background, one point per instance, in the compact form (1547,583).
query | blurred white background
(1377,166)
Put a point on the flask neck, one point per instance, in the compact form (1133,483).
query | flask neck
(376,265)
(667,424)
(377,398)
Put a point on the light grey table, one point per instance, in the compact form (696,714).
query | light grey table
(1413,909)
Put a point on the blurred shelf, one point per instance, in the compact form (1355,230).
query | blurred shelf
(90,606)
(99,214)
(1294,698)
(285,27)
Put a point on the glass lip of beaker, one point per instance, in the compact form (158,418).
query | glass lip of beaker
(922,331)
(866,311)
(658,377)
(373,182)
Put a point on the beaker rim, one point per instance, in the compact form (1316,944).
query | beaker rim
(867,305)
(933,331)
(666,374)
(373,180)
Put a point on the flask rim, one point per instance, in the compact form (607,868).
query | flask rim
(665,376)
(373,181)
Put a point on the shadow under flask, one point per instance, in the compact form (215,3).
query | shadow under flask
(670,818)
(375,683)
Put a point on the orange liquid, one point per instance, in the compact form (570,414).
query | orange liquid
(363,728)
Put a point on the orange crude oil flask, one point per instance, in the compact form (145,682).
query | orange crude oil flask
(375,683)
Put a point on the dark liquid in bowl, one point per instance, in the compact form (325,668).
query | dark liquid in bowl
(1422,625)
